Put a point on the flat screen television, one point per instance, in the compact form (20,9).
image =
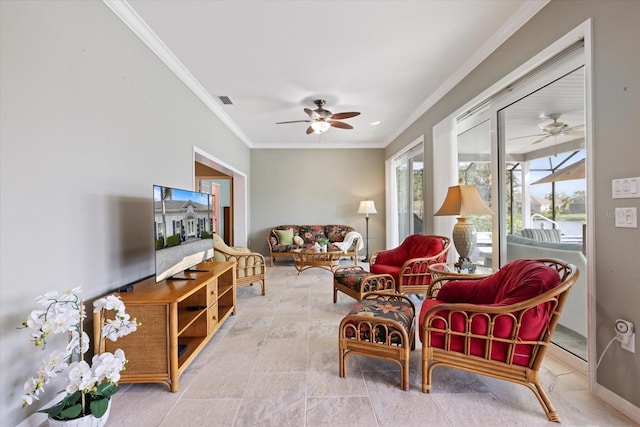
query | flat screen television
(182,230)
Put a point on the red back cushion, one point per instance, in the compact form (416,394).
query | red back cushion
(515,282)
(414,246)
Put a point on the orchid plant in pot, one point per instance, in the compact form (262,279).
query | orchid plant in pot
(89,387)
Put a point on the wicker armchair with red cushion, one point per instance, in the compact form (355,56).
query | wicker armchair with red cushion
(499,326)
(409,263)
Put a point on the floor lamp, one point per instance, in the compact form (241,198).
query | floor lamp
(367,207)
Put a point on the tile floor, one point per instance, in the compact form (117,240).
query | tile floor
(275,363)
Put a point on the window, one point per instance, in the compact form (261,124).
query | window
(408,194)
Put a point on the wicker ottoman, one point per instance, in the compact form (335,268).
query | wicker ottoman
(355,282)
(380,325)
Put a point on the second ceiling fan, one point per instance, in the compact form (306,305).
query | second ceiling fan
(321,119)
(555,128)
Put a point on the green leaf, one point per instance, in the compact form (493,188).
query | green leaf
(70,412)
(99,407)
(68,408)
(106,389)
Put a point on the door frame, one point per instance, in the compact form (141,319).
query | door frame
(239,200)
(444,146)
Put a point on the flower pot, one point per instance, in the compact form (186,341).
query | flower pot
(323,248)
(86,421)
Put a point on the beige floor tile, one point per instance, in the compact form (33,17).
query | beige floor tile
(476,409)
(323,378)
(282,355)
(203,412)
(273,400)
(396,407)
(340,411)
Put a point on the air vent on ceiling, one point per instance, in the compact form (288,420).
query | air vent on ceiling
(225,100)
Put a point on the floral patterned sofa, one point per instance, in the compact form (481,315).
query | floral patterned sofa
(282,239)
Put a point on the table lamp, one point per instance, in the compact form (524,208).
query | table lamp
(367,207)
(464,200)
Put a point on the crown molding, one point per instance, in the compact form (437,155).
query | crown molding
(125,12)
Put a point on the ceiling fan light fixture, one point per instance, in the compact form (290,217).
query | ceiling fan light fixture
(320,126)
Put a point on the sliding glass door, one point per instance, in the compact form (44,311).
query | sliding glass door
(475,168)
(409,197)
(525,150)
(545,187)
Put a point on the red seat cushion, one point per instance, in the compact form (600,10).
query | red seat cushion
(414,246)
(515,282)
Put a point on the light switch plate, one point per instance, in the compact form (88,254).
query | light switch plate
(627,217)
(625,188)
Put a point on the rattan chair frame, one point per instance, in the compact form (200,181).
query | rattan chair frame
(528,376)
(373,282)
(395,352)
(250,267)
(415,275)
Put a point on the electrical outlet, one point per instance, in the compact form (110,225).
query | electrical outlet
(630,345)
(626,335)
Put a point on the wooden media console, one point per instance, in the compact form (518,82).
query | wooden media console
(178,318)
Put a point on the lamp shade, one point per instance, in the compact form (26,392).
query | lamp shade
(463,200)
(367,207)
(320,126)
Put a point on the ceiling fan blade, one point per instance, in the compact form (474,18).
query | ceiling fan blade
(310,130)
(527,136)
(340,116)
(294,121)
(313,114)
(542,139)
(575,133)
(340,125)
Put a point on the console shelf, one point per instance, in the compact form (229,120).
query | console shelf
(178,318)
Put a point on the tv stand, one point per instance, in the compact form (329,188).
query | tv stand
(178,318)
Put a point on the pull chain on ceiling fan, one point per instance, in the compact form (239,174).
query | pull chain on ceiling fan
(321,119)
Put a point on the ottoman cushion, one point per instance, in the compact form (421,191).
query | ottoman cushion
(399,311)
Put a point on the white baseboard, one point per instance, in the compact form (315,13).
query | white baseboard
(622,405)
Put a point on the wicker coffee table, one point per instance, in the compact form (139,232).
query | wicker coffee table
(304,259)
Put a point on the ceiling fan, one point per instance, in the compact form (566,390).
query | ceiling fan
(321,120)
(555,128)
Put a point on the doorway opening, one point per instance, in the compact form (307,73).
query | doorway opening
(232,215)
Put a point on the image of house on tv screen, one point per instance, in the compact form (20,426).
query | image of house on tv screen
(182,229)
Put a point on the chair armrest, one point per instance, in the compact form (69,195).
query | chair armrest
(269,240)
(245,260)
(415,271)
(373,256)
(229,251)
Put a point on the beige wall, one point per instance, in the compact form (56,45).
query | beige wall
(616,84)
(316,186)
(90,120)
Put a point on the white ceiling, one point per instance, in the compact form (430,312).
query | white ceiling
(389,60)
